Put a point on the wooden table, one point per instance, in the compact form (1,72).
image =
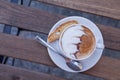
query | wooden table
(40,21)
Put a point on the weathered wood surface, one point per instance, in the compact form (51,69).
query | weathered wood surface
(30,50)
(12,73)
(111,37)
(107,68)
(18,47)
(108,8)
(22,17)
(41,21)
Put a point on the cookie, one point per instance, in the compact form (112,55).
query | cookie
(55,35)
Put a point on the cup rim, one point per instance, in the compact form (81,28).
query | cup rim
(74,58)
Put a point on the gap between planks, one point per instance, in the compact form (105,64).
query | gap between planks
(41,21)
(13,73)
(32,51)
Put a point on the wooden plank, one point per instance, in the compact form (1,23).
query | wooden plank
(107,68)
(18,47)
(111,37)
(31,50)
(12,73)
(9,30)
(41,21)
(22,17)
(108,8)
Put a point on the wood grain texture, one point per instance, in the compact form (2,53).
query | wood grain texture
(24,49)
(41,21)
(26,17)
(111,36)
(108,8)
(107,68)
(12,73)
(30,50)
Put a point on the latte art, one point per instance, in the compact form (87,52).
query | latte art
(77,42)
(70,39)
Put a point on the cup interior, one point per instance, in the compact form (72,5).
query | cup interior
(64,53)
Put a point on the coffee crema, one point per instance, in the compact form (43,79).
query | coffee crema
(77,42)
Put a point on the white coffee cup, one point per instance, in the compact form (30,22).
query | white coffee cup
(96,45)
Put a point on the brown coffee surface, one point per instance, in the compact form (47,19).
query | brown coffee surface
(87,44)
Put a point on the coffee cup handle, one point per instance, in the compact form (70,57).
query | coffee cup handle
(99,45)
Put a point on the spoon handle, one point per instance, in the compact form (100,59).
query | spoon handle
(71,63)
(39,39)
(44,43)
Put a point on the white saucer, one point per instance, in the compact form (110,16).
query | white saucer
(86,63)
